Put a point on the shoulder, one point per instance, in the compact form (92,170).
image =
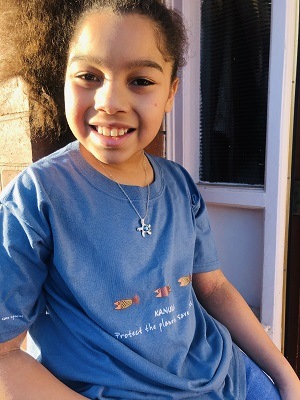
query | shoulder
(171,169)
(175,175)
(40,177)
(61,157)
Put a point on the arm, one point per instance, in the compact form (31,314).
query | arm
(225,304)
(23,378)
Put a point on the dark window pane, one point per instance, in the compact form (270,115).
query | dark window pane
(235,42)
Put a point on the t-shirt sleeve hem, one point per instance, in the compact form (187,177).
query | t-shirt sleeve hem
(11,334)
(212,266)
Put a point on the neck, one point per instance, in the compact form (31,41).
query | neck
(131,173)
(136,176)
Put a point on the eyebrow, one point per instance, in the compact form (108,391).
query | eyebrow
(131,65)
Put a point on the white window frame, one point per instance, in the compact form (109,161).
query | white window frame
(273,199)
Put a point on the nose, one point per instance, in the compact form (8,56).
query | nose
(111,98)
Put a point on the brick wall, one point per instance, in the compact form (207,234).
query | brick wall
(15,144)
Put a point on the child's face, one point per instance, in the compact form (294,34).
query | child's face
(118,87)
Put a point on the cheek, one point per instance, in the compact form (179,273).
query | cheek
(73,115)
(74,104)
(70,109)
(69,101)
(155,118)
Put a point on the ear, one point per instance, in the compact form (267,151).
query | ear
(172,92)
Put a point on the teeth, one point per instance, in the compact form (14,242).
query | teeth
(106,132)
(114,132)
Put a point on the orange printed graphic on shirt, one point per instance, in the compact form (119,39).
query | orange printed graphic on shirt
(185,280)
(122,304)
(164,291)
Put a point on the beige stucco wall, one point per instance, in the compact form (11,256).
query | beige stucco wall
(15,145)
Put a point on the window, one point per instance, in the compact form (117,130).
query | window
(234,59)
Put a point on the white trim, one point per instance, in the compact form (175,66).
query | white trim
(174,148)
(191,91)
(284,32)
(174,129)
(233,196)
(183,130)
(183,147)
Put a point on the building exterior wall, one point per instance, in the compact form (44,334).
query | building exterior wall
(15,144)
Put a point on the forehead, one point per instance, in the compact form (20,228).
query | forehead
(117,39)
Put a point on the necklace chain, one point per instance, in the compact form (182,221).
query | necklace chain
(144,228)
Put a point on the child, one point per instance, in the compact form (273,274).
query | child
(105,249)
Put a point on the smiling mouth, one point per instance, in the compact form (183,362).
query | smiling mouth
(112,132)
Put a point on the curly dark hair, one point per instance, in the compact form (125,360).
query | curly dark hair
(36,36)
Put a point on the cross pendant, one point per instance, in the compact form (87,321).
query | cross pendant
(144,228)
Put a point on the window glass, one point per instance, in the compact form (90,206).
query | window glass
(234,57)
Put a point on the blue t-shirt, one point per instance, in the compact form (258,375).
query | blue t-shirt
(113,313)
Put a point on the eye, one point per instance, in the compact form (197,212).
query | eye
(89,77)
(142,82)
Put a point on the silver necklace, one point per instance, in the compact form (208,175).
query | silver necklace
(145,229)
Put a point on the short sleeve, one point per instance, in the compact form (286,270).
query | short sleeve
(24,252)
(205,257)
